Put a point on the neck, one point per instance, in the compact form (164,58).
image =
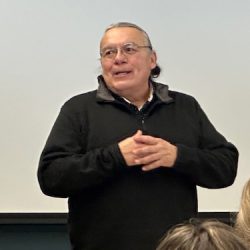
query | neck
(138,98)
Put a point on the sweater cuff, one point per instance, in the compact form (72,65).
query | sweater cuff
(118,157)
(185,157)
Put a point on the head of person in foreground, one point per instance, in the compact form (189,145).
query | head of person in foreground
(202,235)
(242,223)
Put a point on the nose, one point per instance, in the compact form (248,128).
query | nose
(120,57)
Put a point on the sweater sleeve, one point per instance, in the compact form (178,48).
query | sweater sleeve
(214,163)
(66,168)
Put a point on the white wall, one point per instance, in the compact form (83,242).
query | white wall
(49,52)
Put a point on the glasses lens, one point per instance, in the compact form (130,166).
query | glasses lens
(129,48)
(126,49)
(109,52)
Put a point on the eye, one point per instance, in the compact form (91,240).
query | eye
(129,49)
(109,52)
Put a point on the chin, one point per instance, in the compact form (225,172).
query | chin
(122,85)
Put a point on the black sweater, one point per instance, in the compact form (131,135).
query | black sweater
(113,206)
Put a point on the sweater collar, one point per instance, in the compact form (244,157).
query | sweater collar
(104,94)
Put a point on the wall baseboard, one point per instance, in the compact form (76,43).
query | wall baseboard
(22,231)
(61,218)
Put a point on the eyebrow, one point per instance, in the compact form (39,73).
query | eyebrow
(115,45)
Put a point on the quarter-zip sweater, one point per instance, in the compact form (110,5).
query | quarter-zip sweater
(113,206)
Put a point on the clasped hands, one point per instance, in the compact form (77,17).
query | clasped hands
(148,151)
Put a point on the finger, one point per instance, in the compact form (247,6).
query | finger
(137,134)
(145,150)
(147,159)
(146,139)
(151,166)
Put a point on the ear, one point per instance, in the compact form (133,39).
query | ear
(153,59)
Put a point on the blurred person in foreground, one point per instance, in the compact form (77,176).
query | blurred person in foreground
(202,235)
(130,154)
(242,224)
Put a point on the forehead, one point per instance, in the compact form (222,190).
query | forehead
(120,35)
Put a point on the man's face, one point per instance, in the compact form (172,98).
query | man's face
(126,72)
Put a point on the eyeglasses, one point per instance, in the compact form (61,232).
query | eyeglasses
(127,49)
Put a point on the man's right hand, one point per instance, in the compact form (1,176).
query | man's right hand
(127,146)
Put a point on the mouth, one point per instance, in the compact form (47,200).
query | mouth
(122,73)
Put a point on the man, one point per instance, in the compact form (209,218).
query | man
(130,154)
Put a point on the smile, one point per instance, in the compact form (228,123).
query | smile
(121,73)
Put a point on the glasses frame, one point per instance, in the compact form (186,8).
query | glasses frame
(114,50)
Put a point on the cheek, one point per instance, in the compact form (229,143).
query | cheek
(106,67)
(145,66)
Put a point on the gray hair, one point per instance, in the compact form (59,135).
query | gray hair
(130,25)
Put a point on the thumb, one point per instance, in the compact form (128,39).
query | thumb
(137,134)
